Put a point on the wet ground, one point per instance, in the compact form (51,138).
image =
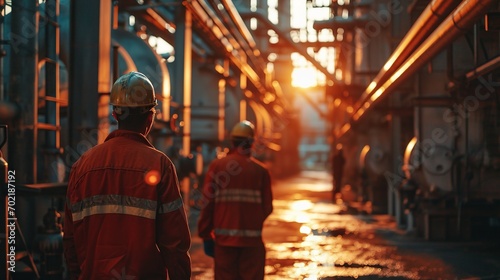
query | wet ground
(309,237)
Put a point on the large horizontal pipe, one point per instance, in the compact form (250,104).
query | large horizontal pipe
(237,28)
(430,18)
(454,25)
(204,14)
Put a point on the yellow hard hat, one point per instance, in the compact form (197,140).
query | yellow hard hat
(243,129)
(133,89)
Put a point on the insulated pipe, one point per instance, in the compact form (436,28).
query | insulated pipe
(207,17)
(233,48)
(243,30)
(433,14)
(230,18)
(235,16)
(454,25)
(235,29)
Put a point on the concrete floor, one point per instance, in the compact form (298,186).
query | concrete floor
(309,237)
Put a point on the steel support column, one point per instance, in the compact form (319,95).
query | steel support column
(24,89)
(89,75)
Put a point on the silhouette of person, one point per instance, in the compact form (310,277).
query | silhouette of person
(338,163)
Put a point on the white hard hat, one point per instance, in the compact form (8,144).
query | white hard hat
(133,90)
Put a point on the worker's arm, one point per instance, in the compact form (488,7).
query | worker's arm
(68,239)
(267,195)
(173,236)
(206,220)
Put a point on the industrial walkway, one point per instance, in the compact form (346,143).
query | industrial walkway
(308,237)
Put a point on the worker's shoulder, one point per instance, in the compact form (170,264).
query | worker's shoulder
(258,163)
(111,151)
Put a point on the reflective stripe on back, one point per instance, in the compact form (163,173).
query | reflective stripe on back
(113,204)
(114,209)
(238,232)
(238,195)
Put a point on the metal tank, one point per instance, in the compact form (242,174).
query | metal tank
(374,166)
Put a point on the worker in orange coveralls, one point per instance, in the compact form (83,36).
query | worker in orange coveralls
(237,192)
(124,216)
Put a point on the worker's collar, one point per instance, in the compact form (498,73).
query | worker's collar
(241,151)
(132,135)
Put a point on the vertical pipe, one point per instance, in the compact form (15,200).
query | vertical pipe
(89,74)
(24,89)
(222,101)
(396,158)
(243,86)
(2,11)
(104,67)
(182,72)
(182,81)
(475,45)
(186,114)
(115,62)
(243,110)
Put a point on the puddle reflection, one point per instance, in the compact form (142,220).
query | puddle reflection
(331,245)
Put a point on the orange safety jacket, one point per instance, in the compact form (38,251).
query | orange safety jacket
(124,215)
(237,199)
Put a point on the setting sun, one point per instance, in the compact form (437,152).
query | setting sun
(304,77)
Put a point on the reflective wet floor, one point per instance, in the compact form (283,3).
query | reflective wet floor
(309,237)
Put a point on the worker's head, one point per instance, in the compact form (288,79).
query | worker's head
(133,99)
(242,135)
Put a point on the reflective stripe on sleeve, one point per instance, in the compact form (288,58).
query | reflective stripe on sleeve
(238,195)
(170,206)
(113,204)
(238,232)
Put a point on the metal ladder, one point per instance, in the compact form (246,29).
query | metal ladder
(52,126)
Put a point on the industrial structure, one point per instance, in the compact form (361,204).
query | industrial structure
(408,88)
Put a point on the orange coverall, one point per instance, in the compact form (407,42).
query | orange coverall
(124,216)
(238,198)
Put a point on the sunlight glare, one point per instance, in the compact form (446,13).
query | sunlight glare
(301,205)
(304,77)
(305,230)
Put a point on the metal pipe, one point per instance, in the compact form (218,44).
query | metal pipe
(235,16)
(454,25)
(220,32)
(2,54)
(252,51)
(182,91)
(433,14)
(291,44)
(483,69)
(187,91)
(116,51)
(230,23)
